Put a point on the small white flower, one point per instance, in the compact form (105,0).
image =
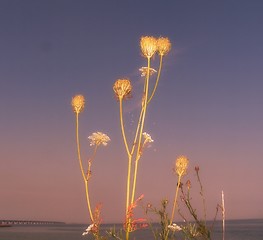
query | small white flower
(98,138)
(147,138)
(145,69)
(174,227)
(89,228)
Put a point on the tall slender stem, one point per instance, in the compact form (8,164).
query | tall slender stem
(129,167)
(88,200)
(223,214)
(78,147)
(138,153)
(175,199)
(202,195)
(81,167)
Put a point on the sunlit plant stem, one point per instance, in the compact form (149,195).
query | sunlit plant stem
(144,108)
(81,167)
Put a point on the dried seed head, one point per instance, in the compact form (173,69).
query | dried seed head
(148,46)
(78,103)
(181,164)
(122,88)
(163,46)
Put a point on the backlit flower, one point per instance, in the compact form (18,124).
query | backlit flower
(78,103)
(89,228)
(148,46)
(145,69)
(98,138)
(147,138)
(122,88)
(163,46)
(174,227)
(181,165)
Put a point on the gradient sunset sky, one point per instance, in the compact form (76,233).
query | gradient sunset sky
(208,105)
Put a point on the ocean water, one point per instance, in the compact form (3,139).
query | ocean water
(235,230)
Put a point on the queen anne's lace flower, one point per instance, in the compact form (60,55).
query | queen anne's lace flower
(89,228)
(145,69)
(174,227)
(147,138)
(98,138)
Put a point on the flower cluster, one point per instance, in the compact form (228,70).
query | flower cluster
(98,138)
(174,227)
(88,229)
(145,69)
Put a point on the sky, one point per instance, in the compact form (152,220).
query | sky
(208,105)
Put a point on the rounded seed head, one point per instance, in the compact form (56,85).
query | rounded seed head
(122,88)
(181,165)
(148,46)
(78,103)
(163,46)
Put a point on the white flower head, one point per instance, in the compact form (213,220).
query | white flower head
(174,227)
(145,69)
(89,228)
(147,138)
(98,138)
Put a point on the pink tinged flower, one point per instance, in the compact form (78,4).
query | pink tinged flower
(131,225)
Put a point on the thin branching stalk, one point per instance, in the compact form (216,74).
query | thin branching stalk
(202,195)
(123,130)
(157,79)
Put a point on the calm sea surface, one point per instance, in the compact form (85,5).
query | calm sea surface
(235,230)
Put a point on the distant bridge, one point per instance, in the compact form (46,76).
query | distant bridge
(28,222)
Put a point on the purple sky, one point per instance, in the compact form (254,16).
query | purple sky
(208,105)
